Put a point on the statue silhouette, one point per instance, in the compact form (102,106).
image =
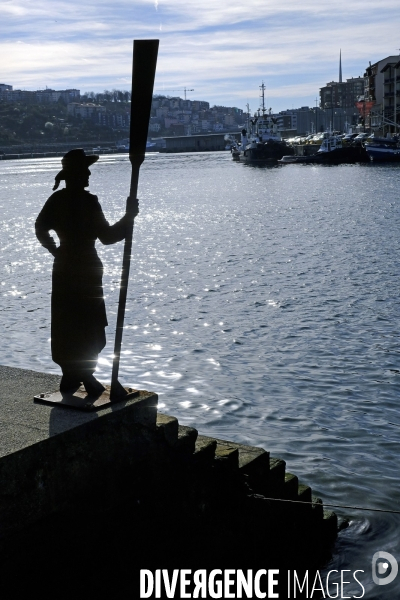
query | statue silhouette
(78,315)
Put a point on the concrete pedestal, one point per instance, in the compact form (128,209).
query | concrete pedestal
(54,459)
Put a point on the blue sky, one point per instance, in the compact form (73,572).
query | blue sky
(224,50)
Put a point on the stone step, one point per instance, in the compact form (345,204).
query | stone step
(204,451)
(186,441)
(329,525)
(304,493)
(252,461)
(291,487)
(265,474)
(167,428)
(226,457)
(275,484)
(179,437)
(317,508)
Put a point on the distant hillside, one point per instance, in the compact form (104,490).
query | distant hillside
(46,123)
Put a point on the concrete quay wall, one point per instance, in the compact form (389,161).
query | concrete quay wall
(197,143)
(130,487)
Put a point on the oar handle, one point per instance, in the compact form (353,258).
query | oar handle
(143,73)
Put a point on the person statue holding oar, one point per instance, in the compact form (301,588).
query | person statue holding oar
(78,315)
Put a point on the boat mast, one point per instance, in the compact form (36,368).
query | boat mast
(248,116)
(262,88)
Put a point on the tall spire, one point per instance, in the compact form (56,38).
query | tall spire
(340,66)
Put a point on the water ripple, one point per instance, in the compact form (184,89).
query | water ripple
(263,306)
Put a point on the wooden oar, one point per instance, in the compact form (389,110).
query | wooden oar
(143,73)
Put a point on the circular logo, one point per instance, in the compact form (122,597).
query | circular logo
(380,568)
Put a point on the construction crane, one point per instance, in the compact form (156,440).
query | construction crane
(180,90)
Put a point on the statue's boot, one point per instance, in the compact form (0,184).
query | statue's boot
(69,382)
(93,387)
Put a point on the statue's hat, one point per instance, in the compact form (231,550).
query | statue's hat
(75,164)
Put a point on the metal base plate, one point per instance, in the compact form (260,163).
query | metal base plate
(80,399)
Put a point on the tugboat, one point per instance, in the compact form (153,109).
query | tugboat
(332,151)
(383,149)
(263,142)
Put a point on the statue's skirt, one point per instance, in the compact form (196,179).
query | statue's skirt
(78,314)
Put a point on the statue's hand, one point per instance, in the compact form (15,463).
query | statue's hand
(132,207)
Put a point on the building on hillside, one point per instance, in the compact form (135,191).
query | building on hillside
(229,119)
(12,96)
(200,105)
(154,124)
(183,116)
(85,111)
(179,129)
(194,128)
(170,121)
(155,127)
(112,119)
(47,96)
(161,111)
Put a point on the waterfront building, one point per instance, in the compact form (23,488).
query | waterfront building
(339,99)
(338,94)
(391,97)
(376,84)
(303,121)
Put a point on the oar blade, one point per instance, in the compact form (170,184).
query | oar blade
(143,72)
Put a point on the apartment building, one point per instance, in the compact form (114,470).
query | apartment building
(341,94)
(374,92)
(47,96)
(391,97)
(85,111)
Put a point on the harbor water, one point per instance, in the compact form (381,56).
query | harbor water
(263,307)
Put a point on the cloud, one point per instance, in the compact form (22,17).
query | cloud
(223,50)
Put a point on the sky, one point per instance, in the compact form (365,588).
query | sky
(222,50)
